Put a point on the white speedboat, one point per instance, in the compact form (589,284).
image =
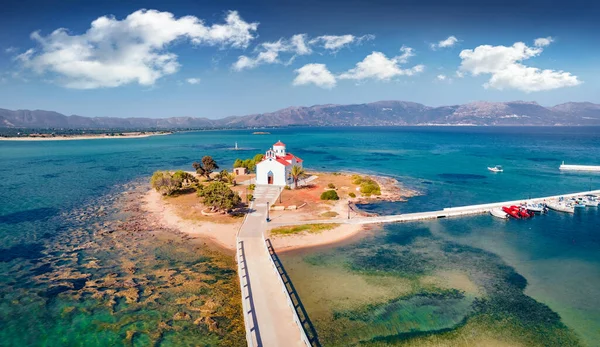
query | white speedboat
(497,168)
(498,213)
(535,207)
(561,207)
(591,201)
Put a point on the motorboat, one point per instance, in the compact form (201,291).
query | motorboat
(535,207)
(497,168)
(591,200)
(561,206)
(512,211)
(498,213)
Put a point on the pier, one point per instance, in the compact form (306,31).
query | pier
(444,213)
(588,168)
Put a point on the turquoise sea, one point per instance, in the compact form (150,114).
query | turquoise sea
(404,284)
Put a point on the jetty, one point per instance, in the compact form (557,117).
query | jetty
(444,213)
(590,168)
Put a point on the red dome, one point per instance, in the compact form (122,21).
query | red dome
(279,143)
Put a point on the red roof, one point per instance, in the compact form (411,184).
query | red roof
(290,156)
(282,161)
(279,143)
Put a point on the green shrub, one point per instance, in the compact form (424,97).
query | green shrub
(352,195)
(330,195)
(250,197)
(331,186)
(287,188)
(252,186)
(369,187)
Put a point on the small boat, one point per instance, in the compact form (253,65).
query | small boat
(561,207)
(512,211)
(497,168)
(537,208)
(498,213)
(591,200)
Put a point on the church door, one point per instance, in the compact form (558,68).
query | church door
(270,177)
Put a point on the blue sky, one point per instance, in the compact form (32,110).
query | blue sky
(164,59)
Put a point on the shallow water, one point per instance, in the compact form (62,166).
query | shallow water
(43,184)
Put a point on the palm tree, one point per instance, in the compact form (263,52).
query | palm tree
(297,172)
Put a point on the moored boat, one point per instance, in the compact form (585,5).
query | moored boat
(498,213)
(561,207)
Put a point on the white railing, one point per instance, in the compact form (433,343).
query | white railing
(303,335)
(251,338)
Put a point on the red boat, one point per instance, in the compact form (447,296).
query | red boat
(512,211)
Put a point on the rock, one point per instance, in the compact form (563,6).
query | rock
(182,316)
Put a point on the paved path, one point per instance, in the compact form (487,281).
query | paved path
(261,287)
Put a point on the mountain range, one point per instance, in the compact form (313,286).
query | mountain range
(379,113)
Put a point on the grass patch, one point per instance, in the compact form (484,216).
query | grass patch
(297,229)
(329,214)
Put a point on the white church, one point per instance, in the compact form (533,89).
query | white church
(276,166)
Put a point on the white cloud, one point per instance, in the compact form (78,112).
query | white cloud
(449,42)
(441,77)
(337,42)
(268,52)
(133,50)
(193,80)
(543,41)
(10,50)
(316,74)
(297,45)
(378,66)
(506,70)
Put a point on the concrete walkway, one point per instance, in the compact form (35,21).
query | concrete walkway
(261,287)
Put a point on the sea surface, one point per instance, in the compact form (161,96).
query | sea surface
(466,281)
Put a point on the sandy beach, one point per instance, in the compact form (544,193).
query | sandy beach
(221,234)
(81,137)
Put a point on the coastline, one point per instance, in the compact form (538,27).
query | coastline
(80,137)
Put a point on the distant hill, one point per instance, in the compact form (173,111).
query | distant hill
(379,113)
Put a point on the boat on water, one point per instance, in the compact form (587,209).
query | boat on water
(498,213)
(561,206)
(535,207)
(591,200)
(517,212)
(497,168)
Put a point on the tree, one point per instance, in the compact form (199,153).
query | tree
(249,164)
(185,178)
(206,166)
(219,196)
(330,195)
(225,176)
(297,173)
(165,183)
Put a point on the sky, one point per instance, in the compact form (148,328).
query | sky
(224,58)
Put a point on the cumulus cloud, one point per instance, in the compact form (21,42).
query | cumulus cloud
(268,52)
(543,41)
(449,42)
(297,45)
(193,80)
(441,77)
(316,74)
(378,66)
(504,64)
(134,50)
(10,50)
(337,42)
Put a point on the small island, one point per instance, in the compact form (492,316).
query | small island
(210,204)
(261,133)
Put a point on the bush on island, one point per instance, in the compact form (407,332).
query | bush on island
(352,195)
(252,186)
(331,186)
(330,195)
(219,197)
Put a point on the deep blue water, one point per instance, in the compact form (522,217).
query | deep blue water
(40,181)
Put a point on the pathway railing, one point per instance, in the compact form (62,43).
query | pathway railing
(308,333)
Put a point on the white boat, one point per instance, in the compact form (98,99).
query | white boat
(497,168)
(591,201)
(561,207)
(535,207)
(498,213)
